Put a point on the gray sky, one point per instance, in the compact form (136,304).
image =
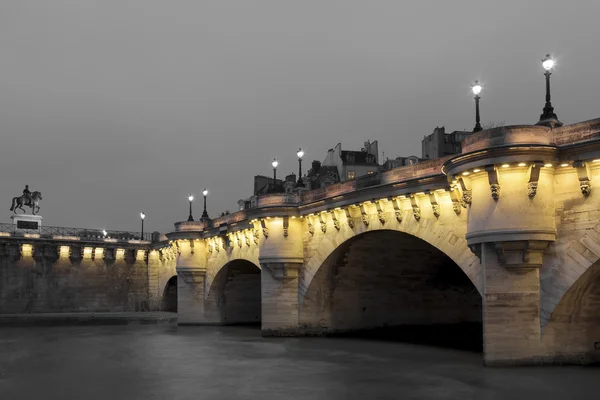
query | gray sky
(112,107)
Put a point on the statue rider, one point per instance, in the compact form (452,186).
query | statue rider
(27,195)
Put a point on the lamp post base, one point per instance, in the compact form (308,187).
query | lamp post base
(550,120)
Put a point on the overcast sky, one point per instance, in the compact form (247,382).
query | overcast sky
(113,107)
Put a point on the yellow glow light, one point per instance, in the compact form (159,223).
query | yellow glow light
(547,165)
(522,164)
(87,252)
(27,250)
(120,254)
(99,252)
(465,173)
(597,160)
(476,170)
(64,251)
(564,164)
(505,165)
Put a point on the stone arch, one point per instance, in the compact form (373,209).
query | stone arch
(401,289)
(446,233)
(566,262)
(169,298)
(234,294)
(573,331)
(217,260)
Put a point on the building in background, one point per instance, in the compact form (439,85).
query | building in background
(400,162)
(441,144)
(351,164)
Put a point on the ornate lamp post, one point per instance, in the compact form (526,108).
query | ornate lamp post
(476,89)
(204,213)
(300,183)
(190,198)
(548,116)
(275,163)
(142,216)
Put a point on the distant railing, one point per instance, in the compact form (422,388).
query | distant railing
(77,232)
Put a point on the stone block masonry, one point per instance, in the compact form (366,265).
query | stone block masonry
(48,276)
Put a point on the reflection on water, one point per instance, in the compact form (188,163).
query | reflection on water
(169,362)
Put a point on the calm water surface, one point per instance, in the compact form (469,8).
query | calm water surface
(169,362)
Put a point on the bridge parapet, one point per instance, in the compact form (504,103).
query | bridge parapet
(507,136)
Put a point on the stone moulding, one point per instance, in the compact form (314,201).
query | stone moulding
(311,228)
(282,270)
(435,207)
(534,177)
(493,181)
(583,174)
(397,209)
(336,222)
(521,254)
(380,213)
(415,207)
(349,219)
(322,222)
(191,275)
(265,230)
(286,225)
(364,215)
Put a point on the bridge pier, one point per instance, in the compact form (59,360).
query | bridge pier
(279,298)
(511,303)
(190,296)
(191,282)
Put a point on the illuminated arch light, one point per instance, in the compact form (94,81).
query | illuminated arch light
(26,250)
(87,252)
(99,252)
(120,254)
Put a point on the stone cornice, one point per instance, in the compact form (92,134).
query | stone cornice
(500,155)
(508,235)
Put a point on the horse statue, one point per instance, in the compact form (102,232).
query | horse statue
(34,203)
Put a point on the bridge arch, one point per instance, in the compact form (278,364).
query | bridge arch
(169,297)
(446,233)
(566,264)
(387,282)
(573,331)
(233,296)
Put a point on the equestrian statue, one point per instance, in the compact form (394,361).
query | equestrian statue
(29,199)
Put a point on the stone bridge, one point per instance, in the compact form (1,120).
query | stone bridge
(504,237)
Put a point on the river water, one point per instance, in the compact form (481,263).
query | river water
(169,362)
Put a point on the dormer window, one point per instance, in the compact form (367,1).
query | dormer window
(350,158)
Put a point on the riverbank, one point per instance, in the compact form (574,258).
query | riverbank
(88,318)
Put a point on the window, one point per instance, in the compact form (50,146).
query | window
(350,158)
(350,175)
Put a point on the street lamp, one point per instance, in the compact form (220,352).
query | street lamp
(142,216)
(204,213)
(300,154)
(476,89)
(275,163)
(548,116)
(190,198)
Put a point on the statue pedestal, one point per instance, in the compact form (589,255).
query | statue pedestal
(27,223)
